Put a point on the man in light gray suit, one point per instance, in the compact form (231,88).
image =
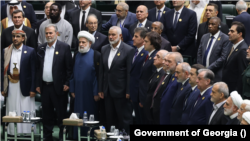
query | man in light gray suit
(213,49)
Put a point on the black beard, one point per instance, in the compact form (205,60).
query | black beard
(55,17)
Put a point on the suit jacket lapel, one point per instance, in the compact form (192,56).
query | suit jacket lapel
(205,46)
(154,14)
(77,19)
(182,16)
(216,43)
(24,49)
(119,51)
(56,53)
(172,19)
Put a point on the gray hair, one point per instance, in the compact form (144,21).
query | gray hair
(165,53)
(185,67)
(161,25)
(117,28)
(144,6)
(223,88)
(52,25)
(208,74)
(18,11)
(247,102)
(123,5)
(142,30)
(177,57)
(91,15)
(241,5)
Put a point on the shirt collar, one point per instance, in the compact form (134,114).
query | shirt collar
(235,45)
(20,49)
(93,33)
(86,11)
(185,81)
(194,87)
(143,23)
(162,9)
(20,28)
(53,46)
(116,48)
(159,69)
(233,115)
(179,10)
(216,35)
(151,52)
(205,90)
(217,106)
(140,48)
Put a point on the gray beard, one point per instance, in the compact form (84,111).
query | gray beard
(84,50)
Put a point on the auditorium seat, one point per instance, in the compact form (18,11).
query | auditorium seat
(228,10)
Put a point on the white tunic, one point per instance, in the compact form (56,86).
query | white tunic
(16,101)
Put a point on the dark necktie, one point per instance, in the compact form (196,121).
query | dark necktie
(197,99)
(159,15)
(207,51)
(176,19)
(159,84)
(136,52)
(83,19)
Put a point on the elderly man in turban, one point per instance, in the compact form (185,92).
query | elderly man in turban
(244,107)
(84,84)
(231,107)
(245,119)
(18,78)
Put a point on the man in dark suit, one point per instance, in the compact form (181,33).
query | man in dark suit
(66,6)
(155,82)
(231,107)
(141,16)
(236,61)
(122,17)
(170,63)
(54,68)
(27,9)
(152,42)
(140,55)
(77,19)
(181,73)
(6,38)
(156,13)
(191,97)
(158,27)
(219,96)
(200,112)
(100,39)
(114,79)
(211,11)
(180,26)
(243,17)
(213,48)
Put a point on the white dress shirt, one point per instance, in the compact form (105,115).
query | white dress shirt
(48,62)
(143,23)
(112,53)
(150,53)
(178,14)
(216,107)
(158,69)
(63,12)
(121,21)
(185,81)
(211,48)
(20,28)
(86,16)
(234,115)
(235,45)
(139,50)
(162,9)
(194,87)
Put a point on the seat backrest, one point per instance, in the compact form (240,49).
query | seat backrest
(229,9)
(93,4)
(38,97)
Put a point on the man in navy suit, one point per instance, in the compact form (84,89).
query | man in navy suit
(156,13)
(180,26)
(140,55)
(219,96)
(122,17)
(213,48)
(152,44)
(170,63)
(26,7)
(181,73)
(202,108)
(244,18)
(191,97)
(236,61)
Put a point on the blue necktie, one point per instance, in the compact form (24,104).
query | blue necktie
(136,52)
(140,24)
(175,19)
(159,15)
(207,51)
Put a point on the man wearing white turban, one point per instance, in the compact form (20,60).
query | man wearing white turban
(245,119)
(244,107)
(231,106)
(83,83)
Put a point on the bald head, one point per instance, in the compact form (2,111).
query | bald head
(141,13)
(158,59)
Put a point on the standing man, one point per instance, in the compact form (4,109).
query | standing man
(219,96)
(156,13)
(140,55)
(18,79)
(246,79)
(65,30)
(122,17)
(84,84)
(243,17)
(180,26)
(170,61)
(231,107)
(114,79)
(141,16)
(236,61)
(6,36)
(152,42)
(92,26)
(202,107)
(181,73)
(54,69)
(158,27)
(213,48)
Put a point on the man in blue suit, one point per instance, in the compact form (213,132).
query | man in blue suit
(181,73)
(201,111)
(156,13)
(244,18)
(180,26)
(191,97)
(170,63)
(121,18)
(140,55)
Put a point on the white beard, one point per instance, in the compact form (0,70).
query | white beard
(85,49)
(51,40)
(114,42)
(228,112)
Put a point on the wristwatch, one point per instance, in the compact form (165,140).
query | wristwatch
(178,48)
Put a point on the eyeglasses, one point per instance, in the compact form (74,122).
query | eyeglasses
(16,36)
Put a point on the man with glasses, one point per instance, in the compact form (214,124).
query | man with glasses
(121,18)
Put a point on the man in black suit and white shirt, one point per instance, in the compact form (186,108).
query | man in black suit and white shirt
(54,69)
(236,61)
(155,14)
(114,75)
(219,96)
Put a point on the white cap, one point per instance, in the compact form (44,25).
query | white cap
(86,35)
(237,100)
